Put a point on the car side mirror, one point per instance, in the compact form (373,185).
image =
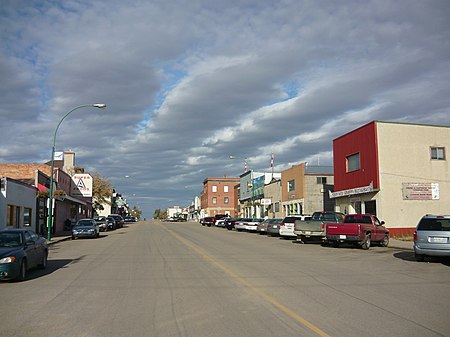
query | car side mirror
(382,223)
(30,242)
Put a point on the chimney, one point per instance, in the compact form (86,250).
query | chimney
(69,162)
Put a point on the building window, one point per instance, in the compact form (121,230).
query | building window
(225,189)
(438,153)
(353,162)
(291,185)
(226,201)
(214,188)
(26,216)
(321,180)
(214,200)
(12,216)
(277,207)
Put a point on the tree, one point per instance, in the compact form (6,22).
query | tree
(101,191)
(136,212)
(156,214)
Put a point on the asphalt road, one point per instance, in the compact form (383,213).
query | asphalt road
(182,279)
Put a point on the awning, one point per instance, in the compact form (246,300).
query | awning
(68,197)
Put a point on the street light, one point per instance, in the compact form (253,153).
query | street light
(246,166)
(50,205)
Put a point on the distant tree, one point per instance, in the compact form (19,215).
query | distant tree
(156,214)
(163,215)
(101,191)
(136,212)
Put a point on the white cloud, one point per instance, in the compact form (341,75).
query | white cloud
(187,86)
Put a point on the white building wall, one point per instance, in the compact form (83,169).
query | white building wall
(20,195)
(404,157)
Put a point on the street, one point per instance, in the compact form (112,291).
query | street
(153,278)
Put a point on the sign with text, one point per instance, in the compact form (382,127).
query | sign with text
(420,191)
(81,185)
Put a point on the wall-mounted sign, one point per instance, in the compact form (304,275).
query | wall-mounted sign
(81,185)
(420,191)
(352,191)
(266,201)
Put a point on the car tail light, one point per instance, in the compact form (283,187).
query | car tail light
(322,226)
(415,236)
(282,224)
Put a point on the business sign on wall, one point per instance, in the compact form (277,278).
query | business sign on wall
(420,191)
(81,185)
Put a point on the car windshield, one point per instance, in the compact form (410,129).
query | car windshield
(84,223)
(10,239)
(430,224)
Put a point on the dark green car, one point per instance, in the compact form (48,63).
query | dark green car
(20,251)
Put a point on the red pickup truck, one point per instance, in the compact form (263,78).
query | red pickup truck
(360,229)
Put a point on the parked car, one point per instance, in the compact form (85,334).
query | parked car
(432,237)
(239,224)
(119,220)
(208,221)
(21,250)
(220,222)
(288,225)
(129,219)
(273,228)
(102,223)
(251,225)
(111,223)
(264,225)
(313,229)
(85,228)
(360,229)
(230,222)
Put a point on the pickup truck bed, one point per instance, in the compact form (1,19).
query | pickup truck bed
(360,229)
(314,229)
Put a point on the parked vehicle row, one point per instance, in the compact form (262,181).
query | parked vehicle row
(431,237)
(91,228)
(331,227)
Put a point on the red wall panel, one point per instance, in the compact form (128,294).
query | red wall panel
(363,141)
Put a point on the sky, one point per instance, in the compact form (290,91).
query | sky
(189,83)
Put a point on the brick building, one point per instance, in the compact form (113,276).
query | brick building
(217,196)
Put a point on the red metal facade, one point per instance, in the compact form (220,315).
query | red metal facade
(363,141)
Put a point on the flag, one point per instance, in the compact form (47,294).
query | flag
(271,160)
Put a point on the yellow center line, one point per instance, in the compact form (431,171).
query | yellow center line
(247,284)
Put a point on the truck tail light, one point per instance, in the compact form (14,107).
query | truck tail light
(322,226)
(415,236)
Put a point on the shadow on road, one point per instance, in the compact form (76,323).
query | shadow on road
(409,256)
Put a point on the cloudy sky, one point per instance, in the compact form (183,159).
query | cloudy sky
(189,83)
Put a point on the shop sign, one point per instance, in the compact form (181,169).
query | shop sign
(420,191)
(81,185)
(352,191)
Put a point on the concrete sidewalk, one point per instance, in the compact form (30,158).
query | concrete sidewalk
(60,237)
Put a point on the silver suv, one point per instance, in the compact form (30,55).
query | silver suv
(432,237)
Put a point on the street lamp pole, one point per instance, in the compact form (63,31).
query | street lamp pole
(50,203)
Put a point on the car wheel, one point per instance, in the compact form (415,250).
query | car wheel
(43,264)
(385,241)
(419,257)
(366,243)
(23,271)
(335,244)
